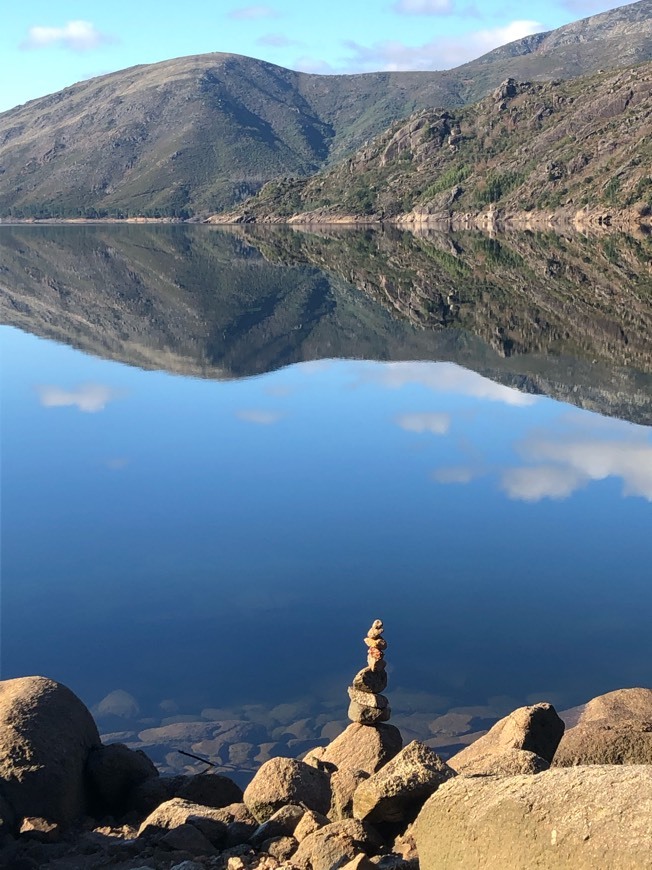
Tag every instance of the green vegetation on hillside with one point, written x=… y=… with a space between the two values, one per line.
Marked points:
x=526 y=147
x=196 y=135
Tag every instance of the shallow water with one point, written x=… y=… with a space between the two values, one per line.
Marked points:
x=219 y=543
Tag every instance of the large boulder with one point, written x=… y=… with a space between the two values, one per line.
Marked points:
x=282 y=824
x=362 y=747
x=617 y=707
x=508 y=762
x=7 y=820
x=536 y=729
x=113 y=771
x=615 y=728
x=344 y=783
x=570 y=819
x=398 y=790
x=46 y=734
x=213 y=823
x=282 y=781
x=209 y=789
x=335 y=845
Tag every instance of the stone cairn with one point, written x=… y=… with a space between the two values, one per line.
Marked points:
x=368 y=706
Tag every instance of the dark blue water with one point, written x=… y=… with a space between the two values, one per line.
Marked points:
x=223 y=543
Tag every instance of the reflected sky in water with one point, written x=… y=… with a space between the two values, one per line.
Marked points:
x=222 y=542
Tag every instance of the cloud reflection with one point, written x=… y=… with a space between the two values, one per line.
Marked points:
x=455 y=474
x=570 y=463
x=89 y=398
x=259 y=417
x=436 y=424
x=538 y=482
x=449 y=378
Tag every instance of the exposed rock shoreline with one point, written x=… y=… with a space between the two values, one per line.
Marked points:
x=528 y=792
x=490 y=220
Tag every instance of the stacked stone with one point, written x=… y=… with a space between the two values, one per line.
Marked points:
x=368 y=706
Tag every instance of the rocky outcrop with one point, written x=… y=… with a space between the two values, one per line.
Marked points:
x=536 y=729
x=46 y=735
x=615 y=728
x=570 y=819
x=398 y=790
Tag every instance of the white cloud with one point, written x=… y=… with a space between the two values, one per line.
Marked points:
x=423 y=7
x=446 y=377
x=436 y=424
x=74 y=35
x=89 y=398
x=259 y=417
x=441 y=52
x=253 y=13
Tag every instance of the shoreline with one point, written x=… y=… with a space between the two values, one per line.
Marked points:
x=370 y=796
x=491 y=220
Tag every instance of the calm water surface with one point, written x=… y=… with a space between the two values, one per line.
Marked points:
x=204 y=541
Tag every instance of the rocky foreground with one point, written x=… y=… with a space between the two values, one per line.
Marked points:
x=525 y=794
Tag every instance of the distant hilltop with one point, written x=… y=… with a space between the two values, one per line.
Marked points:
x=193 y=136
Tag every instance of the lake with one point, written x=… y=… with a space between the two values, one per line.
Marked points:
x=225 y=453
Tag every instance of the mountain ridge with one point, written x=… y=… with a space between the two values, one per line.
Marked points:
x=527 y=150
x=195 y=135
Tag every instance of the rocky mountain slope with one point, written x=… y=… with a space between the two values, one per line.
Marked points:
x=197 y=134
x=525 y=148
x=534 y=312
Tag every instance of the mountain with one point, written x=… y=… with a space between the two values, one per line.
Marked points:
x=197 y=134
x=535 y=312
x=526 y=148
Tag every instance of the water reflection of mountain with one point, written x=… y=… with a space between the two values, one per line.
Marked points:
x=568 y=317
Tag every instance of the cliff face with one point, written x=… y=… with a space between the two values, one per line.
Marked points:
x=526 y=148
x=569 y=317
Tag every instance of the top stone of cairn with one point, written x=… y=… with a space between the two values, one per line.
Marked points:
x=368 y=706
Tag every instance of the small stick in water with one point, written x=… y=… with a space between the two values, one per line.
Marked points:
x=196 y=757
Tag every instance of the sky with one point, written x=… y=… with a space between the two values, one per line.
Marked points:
x=46 y=46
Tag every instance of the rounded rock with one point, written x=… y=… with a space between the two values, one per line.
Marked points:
x=282 y=781
x=46 y=735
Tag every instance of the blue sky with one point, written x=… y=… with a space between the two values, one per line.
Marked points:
x=46 y=46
